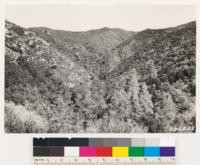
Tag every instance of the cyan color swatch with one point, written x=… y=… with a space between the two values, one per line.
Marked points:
x=151 y=151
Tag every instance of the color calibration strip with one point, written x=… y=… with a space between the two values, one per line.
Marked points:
x=103 y=147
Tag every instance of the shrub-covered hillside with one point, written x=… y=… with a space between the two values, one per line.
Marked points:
x=104 y=80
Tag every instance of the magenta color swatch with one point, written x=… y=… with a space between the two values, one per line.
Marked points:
x=87 y=151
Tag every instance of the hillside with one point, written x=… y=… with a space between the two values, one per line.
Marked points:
x=91 y=49
x=38 y=75
x=176 y=46
x=104 y=80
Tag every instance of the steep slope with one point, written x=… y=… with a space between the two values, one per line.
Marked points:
x=171 y=50
x=91 y=49
x=34 y=55
x=37 y=76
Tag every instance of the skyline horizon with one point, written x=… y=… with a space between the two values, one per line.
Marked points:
x=103 y=27
x=86 y=17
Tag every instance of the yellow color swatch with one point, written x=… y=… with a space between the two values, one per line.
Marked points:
x=120 y=151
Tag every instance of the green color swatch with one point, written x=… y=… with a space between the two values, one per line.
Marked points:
x=136 y=151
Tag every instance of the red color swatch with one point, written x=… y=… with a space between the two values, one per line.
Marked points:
x=104 y=151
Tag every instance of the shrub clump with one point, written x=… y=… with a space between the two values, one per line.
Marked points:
x=19 y=120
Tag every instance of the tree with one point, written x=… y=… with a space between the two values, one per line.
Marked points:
x=145 y=100
x=134 y=91
x=167 y=113
x=121 y=104
x=152 y=69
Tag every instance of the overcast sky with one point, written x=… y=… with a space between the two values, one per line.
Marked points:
x=82 y=18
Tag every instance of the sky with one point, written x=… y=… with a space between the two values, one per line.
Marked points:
x=87 y=17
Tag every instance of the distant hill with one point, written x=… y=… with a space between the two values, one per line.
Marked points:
x=91 y=49
x=103 y=80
